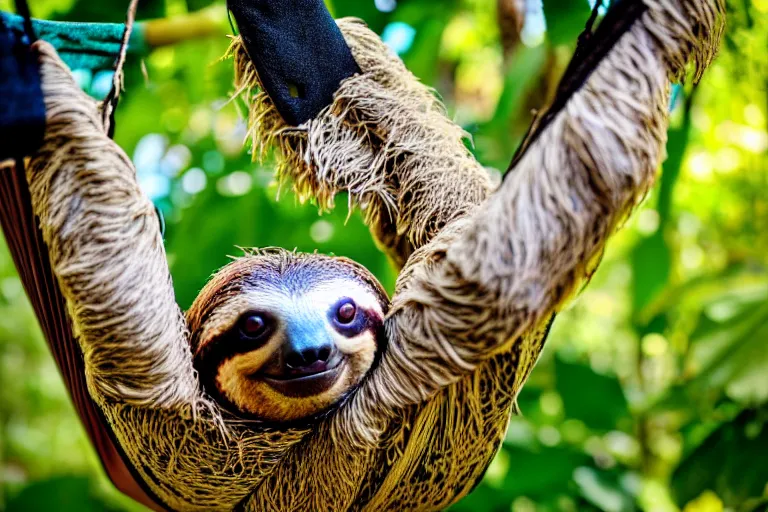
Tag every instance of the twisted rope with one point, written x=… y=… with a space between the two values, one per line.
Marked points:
x=110 y=102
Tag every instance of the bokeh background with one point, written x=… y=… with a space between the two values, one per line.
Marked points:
x=651 y=394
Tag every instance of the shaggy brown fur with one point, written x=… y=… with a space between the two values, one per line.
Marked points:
x=385 y=140
x=482 y=277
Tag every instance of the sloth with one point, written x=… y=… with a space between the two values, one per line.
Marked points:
x=293 y=382
x=282 y=336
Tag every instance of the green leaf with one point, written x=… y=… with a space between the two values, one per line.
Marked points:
x=566 y=19
x=363 y=9
x=733 y=283
x=651 y=263
x=677 y=144
x=496 y=140
x=538 y=474
x=422 y=58
x=733 y=358
x=730 y=462
x=602 y=489
x=597 y=400
x=59 y=493
x=727 y=356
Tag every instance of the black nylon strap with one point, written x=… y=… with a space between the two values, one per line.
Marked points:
x=298 y=51
x=22 y=111
x=22 y=8
x=592 y=48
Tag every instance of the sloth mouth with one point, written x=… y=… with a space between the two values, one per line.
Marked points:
x=304 y=382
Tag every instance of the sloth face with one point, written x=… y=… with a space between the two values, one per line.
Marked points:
x=283 y=336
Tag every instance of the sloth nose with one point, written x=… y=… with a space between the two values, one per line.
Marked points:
x=307 y=347
x=298 y=358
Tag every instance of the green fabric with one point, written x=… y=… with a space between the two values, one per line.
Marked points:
x=91 y=46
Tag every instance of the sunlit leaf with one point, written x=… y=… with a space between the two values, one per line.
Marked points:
x=566 y=19
x=59 y=493
x=728 y=463
x=597 y=400
x=734 y=358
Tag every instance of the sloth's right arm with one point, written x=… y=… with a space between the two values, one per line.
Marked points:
x=107 y=253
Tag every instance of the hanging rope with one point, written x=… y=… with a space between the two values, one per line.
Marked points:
x=110 y=102
x=23 y=9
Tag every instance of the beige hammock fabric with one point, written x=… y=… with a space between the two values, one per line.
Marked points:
x=483 y=272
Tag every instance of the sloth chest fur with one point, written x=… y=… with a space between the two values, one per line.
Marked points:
x=437 y=453
x=429 y=457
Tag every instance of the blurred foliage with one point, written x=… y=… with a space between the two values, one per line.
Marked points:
x=652 y=392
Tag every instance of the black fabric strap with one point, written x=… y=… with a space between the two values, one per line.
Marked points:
x=591 y=49
x=298 y=51
x=22 y=111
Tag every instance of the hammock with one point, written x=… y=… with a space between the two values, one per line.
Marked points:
x=92 y=46
x=95 y=46
x=22 y=129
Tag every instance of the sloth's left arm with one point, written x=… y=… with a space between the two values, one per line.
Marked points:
x=484 y=273
x=492 y=279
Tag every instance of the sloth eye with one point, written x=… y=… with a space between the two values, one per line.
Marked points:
x=346 y=312
x=253 y=325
